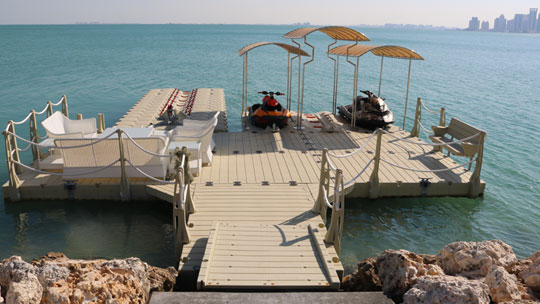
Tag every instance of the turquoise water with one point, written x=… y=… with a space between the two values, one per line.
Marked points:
x=488 y=79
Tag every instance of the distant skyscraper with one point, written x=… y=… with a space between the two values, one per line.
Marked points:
x=500 y=24
x=520 y=24
x=485 y=26
x=474 y=24
x=533 y=12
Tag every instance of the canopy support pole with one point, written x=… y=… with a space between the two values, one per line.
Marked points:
x=407 y=95
x=355 y=82
x=380 y=76
x=303 y=73
x=298 y=124
x=289 y=97
x=334 y=93
x=288 y=76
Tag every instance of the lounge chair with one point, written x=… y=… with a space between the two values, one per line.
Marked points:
x=198 y=131
x=59 y=126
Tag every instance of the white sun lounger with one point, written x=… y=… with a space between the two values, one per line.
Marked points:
x=198 y=131
x=59 y=126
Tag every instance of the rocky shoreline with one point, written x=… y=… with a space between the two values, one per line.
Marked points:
x=462 y=272
x=55 y=278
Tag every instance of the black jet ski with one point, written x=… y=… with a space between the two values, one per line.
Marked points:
x=371 y=112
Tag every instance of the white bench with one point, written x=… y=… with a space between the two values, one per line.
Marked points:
x=59 y=126
x=458 y=130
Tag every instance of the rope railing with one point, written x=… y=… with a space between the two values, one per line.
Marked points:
x=145 y=150
x=64 y=174
x=427 y=171
x=458 y=141
x=355 y=151
x=360 y=173
x=428 y=109
x=60 y=148
x=424 y=128
x=147 y=175
x=182 y=201
x=24 y=120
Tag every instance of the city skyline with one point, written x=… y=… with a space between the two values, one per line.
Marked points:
x=320 y=12
x=521 y=23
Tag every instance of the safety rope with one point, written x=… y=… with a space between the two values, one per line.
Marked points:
x=424 y=128
x=147 y=175
x=355 y=151
x=427 y=109
x=427 y=171
x=70 y=147
x=361 y=172
x=63 y=174
x=144 y=150
x=433 y=145
x=24 y=120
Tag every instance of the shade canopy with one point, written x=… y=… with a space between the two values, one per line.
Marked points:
x=392 y=51
x=289 y=48
x=334 y=32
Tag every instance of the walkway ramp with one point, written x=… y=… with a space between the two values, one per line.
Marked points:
x=266 y=256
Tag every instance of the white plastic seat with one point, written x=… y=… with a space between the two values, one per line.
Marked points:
x=198 y=131
x=59 y=126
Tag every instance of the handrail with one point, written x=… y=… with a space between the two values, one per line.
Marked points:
x=418 y=117
x=182 y=200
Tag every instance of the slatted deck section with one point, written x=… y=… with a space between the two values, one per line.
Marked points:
x=272 y=223
x=201 y=104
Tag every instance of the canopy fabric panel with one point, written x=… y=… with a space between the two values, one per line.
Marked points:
x=334 y=32
x=289 y=48
x=392 y=51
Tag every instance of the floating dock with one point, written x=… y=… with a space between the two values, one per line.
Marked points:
x=257 y=222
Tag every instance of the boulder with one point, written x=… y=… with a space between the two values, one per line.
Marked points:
x=531 y=274
x=55 y=278
x=474 y=259
x=502 y=285
x=447 y=289
x=26 y=290
x=365 y=278
x=399 y=270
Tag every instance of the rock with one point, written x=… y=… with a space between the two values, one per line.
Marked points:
x=502 y=285
x=55 y=278
x=531 y=274
x=365 y=278
x=26 y=290
x=447 y=289
x=399 y=270
x=474 y=259
x=162 y=279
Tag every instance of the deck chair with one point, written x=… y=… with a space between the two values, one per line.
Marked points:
x=198 y=131
x=59 y=126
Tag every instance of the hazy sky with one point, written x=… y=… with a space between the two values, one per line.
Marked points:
x=452 y=13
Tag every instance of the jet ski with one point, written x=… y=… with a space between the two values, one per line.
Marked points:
x=371 y=112
x=270 y=113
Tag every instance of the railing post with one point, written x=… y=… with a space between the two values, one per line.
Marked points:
x=474 y=188
x=101 y=123
x=79 y=116
x=374 y=178
x=442 y=119
x=49 y=108
x=34 y=137
x=14 y=181
x=417 y=118
x=335 y=230
x=190 y=208
x=124 y=180
x=15 y=155
x=65 y=106
x=320 y=206
x=181 y=233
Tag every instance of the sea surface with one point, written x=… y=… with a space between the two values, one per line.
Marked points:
x=491 y=80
